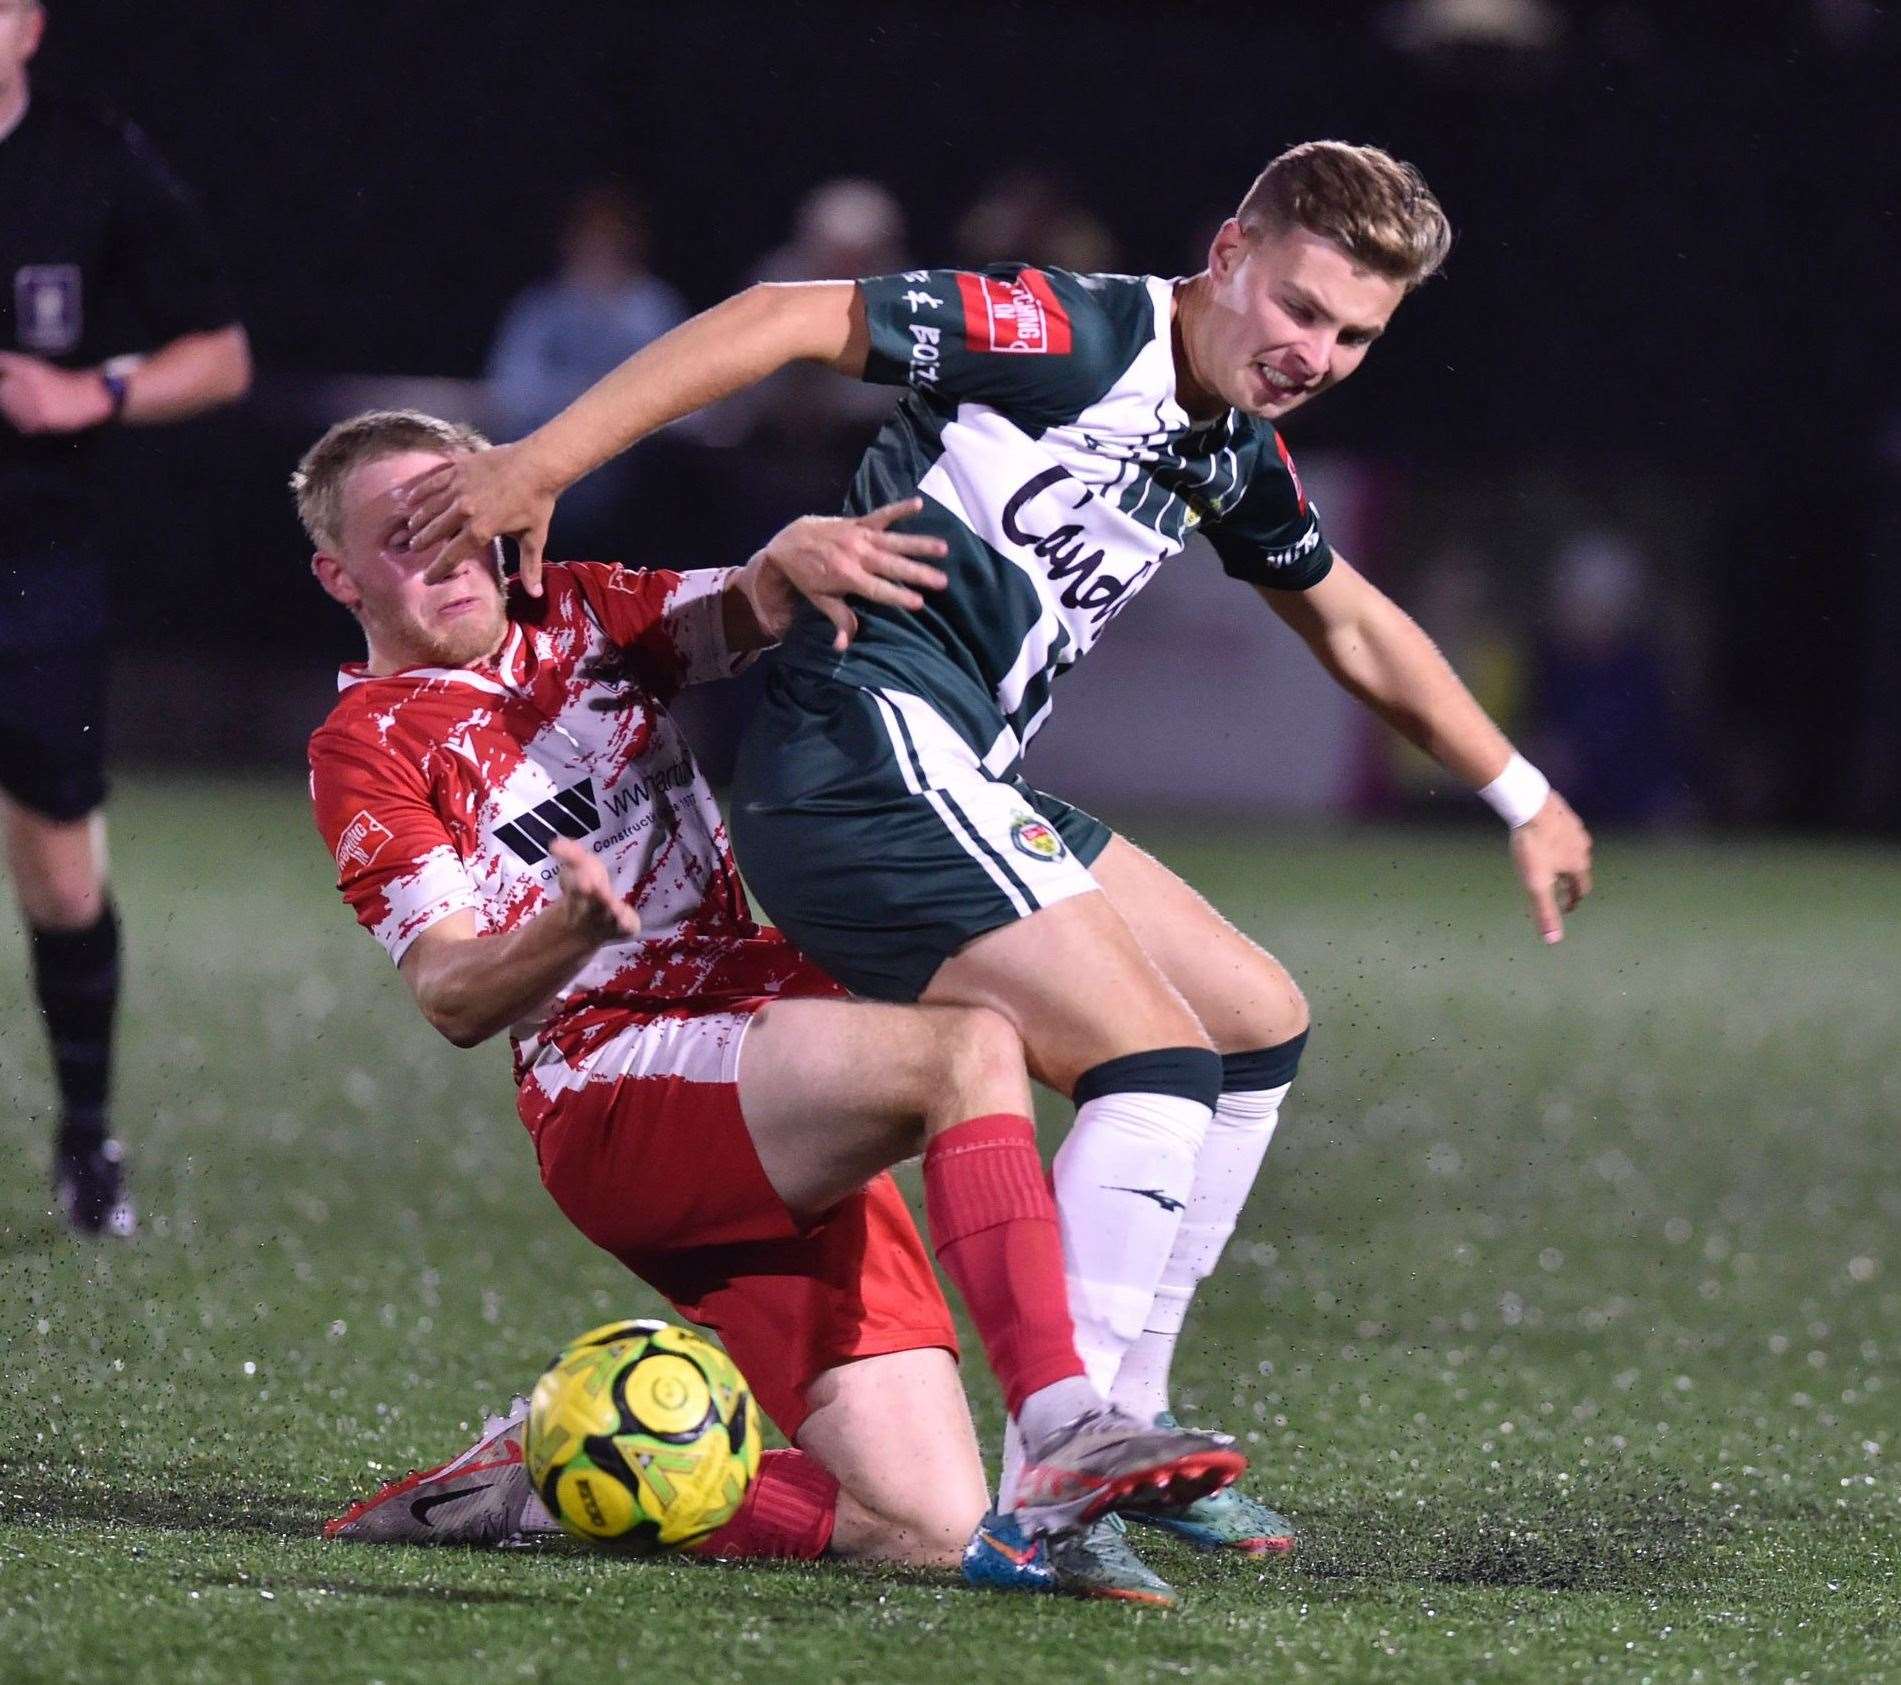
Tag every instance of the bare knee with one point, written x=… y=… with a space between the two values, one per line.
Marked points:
x=982 y=1049
x=978 y=1066
x=1299 y=1018
x=58 y=870
x=1267 y=1011
x=896 y=1433
x=67 y=903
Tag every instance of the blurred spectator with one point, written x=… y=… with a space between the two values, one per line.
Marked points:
x=799 y=434
x=563 y=334
x=844 y=229
x=1512 y=25
x=1606 y=726
x=804 y=429
x=1030 y=215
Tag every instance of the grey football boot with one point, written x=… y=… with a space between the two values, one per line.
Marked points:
x=1109 y=1460
x=1100 y=1561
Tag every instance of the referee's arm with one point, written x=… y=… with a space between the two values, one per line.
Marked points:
x=194 y=372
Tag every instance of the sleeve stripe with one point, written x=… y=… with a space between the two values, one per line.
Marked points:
x=976 y=311
x=437 y=885
x=1056 y=318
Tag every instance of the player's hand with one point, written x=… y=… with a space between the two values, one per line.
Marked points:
x=828 y=558
x=1552 y=851
x=474 y=498
x=589 y=902
x=41 y=397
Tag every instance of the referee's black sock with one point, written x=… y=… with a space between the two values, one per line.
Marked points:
x=76 y=975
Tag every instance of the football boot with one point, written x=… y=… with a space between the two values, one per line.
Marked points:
x=1100 y=1561
x=89 y=1184
x=1107 y=1459
x=1224 y=1520
x=1002 y=1557
x=481 y=1497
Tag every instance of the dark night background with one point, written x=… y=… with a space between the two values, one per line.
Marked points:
x=1673 y=284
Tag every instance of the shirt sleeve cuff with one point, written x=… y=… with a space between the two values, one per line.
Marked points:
x=696 y=622
x=439 y=888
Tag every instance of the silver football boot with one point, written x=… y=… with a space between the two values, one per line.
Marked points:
x=482 y=1497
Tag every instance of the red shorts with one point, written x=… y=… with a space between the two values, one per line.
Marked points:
x=646 y=1151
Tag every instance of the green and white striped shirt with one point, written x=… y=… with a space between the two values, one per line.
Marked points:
x=1042 y=428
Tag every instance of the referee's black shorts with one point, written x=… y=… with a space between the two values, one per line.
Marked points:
x=52 y=691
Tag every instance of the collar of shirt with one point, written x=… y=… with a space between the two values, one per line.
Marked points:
x=501 y=676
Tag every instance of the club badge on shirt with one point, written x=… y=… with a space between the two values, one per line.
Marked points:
x=47 y=308
x=1039 y=841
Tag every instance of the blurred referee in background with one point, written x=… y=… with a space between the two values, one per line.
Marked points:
x=101 y=255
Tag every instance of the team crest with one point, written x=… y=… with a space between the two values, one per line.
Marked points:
x=363 y=839
x=1036 y=839
x=47 y=312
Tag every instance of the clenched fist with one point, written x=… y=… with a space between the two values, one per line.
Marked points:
x=593 y=908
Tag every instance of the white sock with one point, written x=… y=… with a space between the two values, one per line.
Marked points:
x=1122 y=1182
x=1225 y=1169
x=1012 y=1470
x=1055 y=1406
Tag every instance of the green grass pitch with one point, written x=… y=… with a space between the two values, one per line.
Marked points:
x=1565 y=1323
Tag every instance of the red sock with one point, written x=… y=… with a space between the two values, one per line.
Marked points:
x=788 y=1513
x=994 y=1225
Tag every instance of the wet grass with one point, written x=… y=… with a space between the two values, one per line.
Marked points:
x=1565 y=1322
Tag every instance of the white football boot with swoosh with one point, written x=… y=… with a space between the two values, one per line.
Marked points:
x=481 y=1497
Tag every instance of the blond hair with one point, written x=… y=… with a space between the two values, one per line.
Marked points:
x=1376 y=209
x=317 y=481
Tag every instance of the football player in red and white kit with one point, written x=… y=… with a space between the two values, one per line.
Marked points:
x=518 y=821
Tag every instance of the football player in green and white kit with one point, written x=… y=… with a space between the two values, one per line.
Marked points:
x=1067 y=433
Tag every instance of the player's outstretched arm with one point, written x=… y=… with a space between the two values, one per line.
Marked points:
x=829 y=559
x=471 y=986
x=511 y=490
x=1378 y=652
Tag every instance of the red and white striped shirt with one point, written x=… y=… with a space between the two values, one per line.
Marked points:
x=438 y=790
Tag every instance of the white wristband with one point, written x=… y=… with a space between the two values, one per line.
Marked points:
x=1517 y=793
